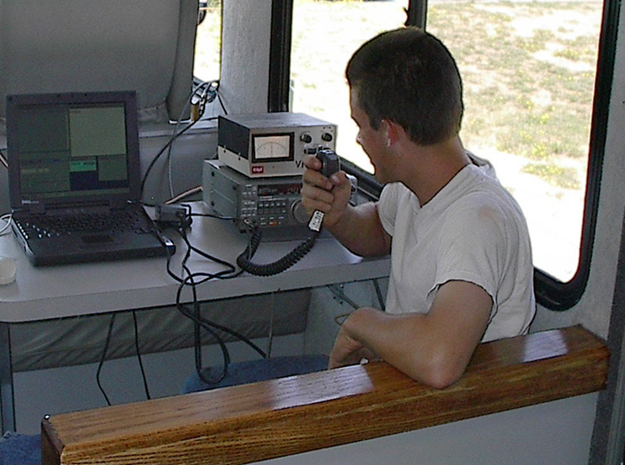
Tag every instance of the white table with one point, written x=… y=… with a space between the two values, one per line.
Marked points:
x=41 y=293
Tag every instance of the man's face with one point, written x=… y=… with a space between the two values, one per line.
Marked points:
x=375 y=143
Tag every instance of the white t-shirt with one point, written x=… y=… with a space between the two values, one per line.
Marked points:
x=471 y=230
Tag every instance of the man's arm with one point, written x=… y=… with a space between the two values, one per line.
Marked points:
x=360 y=230
x=357 y=228
x=433 y=348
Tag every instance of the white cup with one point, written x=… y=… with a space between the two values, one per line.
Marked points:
x=8 y=268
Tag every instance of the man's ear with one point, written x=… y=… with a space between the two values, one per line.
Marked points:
x=394 y=132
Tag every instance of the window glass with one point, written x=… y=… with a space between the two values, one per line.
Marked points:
x=208 y=41
x=529 y=71
x=325 y=35
x=529 y=74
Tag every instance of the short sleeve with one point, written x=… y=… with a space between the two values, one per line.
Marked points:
x=473 y=246
x=387 y=207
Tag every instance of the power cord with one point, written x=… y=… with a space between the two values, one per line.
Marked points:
x=139 y=358
x=8 y=219
x=138 y=353
x=204 y=92
x=103 y=357
x=179 y=219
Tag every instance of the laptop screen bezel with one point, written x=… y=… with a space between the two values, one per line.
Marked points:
x=36 y=203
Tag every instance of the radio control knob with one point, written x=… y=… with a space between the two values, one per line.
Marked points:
x=306 y=138
x=326 y=136
x=299 y=212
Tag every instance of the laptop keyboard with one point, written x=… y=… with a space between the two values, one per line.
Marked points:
x=112 y=222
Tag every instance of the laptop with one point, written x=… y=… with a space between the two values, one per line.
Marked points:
x=74 y=178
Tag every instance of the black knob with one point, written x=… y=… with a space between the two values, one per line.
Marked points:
x=327 y=136
x=306 y=138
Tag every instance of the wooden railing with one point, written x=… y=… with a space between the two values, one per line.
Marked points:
x=254 y=422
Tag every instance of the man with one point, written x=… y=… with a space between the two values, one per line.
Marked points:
x=461 y=268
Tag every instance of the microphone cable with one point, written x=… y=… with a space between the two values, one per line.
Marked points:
x=330 y=164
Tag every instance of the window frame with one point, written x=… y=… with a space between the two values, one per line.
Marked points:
x=280 y=55
x=550 y=292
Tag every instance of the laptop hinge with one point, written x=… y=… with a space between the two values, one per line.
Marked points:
x=31 y=209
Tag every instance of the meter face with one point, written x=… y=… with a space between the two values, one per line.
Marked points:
x=273 y=147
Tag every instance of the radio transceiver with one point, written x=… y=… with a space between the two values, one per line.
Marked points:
x=269 y=203
x=271 y=144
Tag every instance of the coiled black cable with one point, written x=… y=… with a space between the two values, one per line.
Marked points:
x=330 y=164
x=269 y=269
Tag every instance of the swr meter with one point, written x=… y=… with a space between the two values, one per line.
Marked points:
x=271 y=144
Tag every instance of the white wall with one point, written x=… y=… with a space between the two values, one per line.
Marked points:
x=245 y=55
x=552 y=433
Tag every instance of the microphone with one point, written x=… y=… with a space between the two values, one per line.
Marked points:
x=330 y=164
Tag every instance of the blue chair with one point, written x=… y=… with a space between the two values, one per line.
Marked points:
x=256 y=370
x=19 y=449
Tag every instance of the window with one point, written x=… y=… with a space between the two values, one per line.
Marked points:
x=530 y=71
x=325 y=34
x=208 y=41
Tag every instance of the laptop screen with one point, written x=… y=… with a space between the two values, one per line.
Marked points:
x=76 y=148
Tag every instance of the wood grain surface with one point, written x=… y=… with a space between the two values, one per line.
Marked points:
x=253 y=422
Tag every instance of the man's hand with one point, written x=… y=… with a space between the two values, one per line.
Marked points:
x=348 y=351
x=328 y=195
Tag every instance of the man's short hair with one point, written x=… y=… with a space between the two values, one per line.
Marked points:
x=409 y=77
